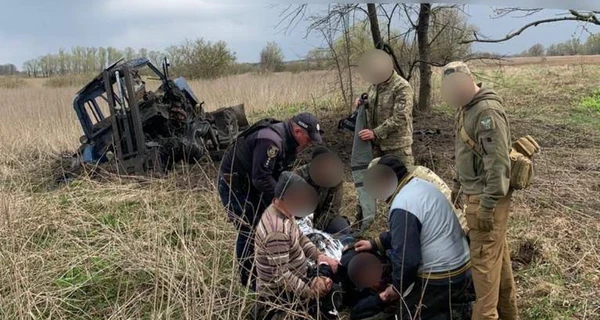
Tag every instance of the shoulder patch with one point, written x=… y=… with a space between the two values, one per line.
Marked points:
x=272 y=151
x=486 y=123
x=271 y=154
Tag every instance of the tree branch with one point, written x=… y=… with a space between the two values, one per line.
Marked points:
x=591 y=18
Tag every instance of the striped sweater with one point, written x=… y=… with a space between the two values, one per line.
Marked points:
x=281 y=252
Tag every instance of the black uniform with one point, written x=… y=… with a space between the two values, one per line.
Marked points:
x=247 y=179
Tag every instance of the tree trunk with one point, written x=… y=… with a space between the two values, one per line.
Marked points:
x=424 y=57
x=374 y=23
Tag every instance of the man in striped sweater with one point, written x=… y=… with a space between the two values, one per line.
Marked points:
x=282 y=251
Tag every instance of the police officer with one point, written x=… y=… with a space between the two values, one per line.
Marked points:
x=249 y=173
x=482 y=149
x=390 y=106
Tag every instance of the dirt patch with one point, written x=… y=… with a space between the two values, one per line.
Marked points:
x=527 y=252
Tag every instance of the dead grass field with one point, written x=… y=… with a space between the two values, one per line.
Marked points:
x=124 y=248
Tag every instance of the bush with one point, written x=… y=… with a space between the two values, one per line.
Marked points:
x=271 y=58
x=201 y=59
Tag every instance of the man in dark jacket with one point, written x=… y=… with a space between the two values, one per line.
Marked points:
x=427 y=247
x=249 y=172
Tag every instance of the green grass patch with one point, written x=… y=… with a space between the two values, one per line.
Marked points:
x=587 y=112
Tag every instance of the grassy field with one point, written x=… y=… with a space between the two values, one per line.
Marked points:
x=140 y=248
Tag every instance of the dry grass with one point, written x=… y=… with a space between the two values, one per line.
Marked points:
x=161 y=249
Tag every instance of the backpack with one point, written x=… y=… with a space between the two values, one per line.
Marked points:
x=521 y=157
x=263 y=123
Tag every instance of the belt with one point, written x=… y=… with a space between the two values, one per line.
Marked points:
x=446 y=274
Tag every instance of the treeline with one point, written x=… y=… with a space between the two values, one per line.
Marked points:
x=8 y=69
x=191 y=59
x=82 y=60
x=570 y=47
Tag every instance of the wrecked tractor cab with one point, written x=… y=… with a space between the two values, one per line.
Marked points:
x=148 y=131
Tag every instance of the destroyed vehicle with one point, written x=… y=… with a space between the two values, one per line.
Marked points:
x=145 y=131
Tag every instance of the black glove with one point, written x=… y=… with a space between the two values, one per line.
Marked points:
x=367 y=307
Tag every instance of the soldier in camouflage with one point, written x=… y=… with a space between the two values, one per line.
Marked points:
x=390 y=106
x=325 y=174
x=483 y=174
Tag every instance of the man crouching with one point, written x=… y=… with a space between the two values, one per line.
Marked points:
x=431 y=269
x=285 y=282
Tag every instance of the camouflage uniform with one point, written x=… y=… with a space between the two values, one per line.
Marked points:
x=329 y=200
x=485 y=178
x=390 y=116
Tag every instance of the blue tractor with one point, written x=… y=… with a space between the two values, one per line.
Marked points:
x=149 y=131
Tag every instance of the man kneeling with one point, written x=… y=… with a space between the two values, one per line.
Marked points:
x=325 y=174
x=427 y=247
x=281 y=253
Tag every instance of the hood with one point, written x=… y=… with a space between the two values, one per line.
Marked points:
x=484 y=94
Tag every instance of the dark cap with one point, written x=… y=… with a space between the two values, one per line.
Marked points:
x=394 y=163
x=319 y=151
x=310 y=123
x=286 y=180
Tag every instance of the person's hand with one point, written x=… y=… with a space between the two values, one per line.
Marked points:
x=356 y=102
x=363 y=245
x=366 y=135
x=485 y=219
x=321 y=286
x=390 y=294
x=333 y=264
x=456 y=199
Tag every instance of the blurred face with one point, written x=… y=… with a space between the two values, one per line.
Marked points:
x=458 y=89
x=380 y=182
x=375 y=66
x=301 y=136
x=326 y=170
x=371 y=270
x=299 y=200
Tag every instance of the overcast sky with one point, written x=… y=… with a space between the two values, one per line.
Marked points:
x=30 y=28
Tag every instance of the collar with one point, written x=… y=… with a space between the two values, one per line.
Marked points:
x=401 y=185
x=470 y=104
x=388 y=81
x=290 y=141
x=279 y=212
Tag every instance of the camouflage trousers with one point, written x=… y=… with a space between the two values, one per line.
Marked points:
x=404 y=154
x=491 y=266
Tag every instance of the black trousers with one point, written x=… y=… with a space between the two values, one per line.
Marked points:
x=435 y=300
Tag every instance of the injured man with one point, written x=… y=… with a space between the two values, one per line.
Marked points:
x=418 y=269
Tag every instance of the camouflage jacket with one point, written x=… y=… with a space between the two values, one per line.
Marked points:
x=486 y=174
x=389 y=113
x=329 y=200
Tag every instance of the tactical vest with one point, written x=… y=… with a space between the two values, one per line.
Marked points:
x=243 y=153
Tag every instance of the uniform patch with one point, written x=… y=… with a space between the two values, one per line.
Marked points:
x=272 y=152
x=487 y=123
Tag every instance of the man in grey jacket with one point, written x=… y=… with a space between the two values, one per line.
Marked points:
x=429 y=252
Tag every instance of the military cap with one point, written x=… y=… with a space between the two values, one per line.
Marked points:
x=456 y=67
